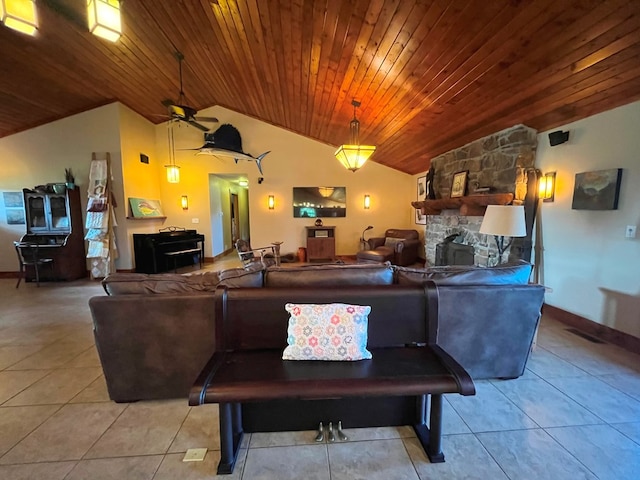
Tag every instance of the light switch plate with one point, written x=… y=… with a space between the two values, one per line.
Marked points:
x=630 y=232
x=195 y=220
x=195 y=455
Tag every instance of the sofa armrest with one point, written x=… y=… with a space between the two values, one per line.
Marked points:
x=406 y=245
x=375 y=242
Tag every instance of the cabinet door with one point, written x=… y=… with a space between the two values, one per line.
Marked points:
x=36 y=213
x=59 y=217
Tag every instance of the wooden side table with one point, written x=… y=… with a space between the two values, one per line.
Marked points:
x=321 y=243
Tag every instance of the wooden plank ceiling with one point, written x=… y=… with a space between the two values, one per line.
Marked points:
x=431 y=75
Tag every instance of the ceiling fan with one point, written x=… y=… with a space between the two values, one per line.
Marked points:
x=180 y=110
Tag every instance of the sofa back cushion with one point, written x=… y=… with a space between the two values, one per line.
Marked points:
x=163 y=283
x=329 y=275
x=513 y=273
x=404 y=234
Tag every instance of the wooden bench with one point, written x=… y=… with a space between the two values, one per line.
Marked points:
x=179 y=253
x=247 y=367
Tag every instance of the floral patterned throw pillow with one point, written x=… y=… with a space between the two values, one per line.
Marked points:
x=334 y=331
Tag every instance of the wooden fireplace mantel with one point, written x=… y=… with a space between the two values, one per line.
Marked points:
x=469 y=205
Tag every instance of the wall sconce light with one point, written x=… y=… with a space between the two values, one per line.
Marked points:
x=104 y=19
x=547 y=187
x=271 y=202
x=184 y=202
x=20 y=15
x=367 y=202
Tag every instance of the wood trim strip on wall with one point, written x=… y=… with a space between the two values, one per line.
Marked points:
x=608 y=334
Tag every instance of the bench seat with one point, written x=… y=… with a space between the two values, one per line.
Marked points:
x=247 y=367
x=259 y=375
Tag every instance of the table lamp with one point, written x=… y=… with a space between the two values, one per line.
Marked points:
x=504 y=221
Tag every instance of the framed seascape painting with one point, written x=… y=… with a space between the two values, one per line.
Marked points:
x=597 y=190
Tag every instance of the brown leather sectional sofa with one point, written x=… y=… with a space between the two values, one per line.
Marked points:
x=154 y=333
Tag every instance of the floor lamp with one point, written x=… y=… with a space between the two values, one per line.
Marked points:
x=504 y=221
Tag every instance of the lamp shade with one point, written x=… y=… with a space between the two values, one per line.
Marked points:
x=504 y=220
x=173 y=173
x=103 y=17
x=20 y=15
x=352 y=157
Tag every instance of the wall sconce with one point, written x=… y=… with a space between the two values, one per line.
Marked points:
x=184 y=202
x=271 y=202
x=103 y=17
x=547 y=187
x=367 y=202
x=20 y=15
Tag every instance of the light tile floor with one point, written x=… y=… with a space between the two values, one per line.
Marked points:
x=575 y=414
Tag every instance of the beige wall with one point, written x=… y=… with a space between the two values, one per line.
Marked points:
x=40 y=155
x=294 y=161
x=592 y=269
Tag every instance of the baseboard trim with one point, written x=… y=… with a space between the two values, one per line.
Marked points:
x=608 y=334
x=9 y=274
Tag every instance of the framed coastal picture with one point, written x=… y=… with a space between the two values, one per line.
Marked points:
x=598 y=190
x=145 y=208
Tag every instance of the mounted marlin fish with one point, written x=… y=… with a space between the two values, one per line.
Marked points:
x=226 y=142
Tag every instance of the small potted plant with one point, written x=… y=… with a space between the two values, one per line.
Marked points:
x=69 y=179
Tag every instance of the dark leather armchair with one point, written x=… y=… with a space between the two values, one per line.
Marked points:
x=403 y=244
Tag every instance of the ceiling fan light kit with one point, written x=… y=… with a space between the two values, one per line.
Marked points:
x=19 y=15
x=180 y=110
x=103 y=17
x=353 y=156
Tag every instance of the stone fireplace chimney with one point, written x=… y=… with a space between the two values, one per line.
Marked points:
x=499 y=163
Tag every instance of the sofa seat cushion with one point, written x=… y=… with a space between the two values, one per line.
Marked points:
x=329 y=275
x=512 y=273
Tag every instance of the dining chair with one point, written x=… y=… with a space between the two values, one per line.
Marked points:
x=29 y=254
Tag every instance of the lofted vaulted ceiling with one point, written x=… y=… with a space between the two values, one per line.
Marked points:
x=431 y=75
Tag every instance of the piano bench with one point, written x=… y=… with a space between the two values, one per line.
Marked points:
x=178 y=253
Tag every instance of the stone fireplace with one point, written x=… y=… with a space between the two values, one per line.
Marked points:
x=501 y=163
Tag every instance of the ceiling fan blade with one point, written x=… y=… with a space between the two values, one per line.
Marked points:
x=207 y=119
x=197 y=125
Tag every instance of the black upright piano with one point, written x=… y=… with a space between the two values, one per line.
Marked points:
x=150 y=250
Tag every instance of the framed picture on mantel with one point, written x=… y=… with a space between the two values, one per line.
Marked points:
x=459 y=184
x=421 y=195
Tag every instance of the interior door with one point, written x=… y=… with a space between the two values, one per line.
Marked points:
x=235 y=218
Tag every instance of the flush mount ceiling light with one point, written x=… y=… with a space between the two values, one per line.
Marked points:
x=353 y=156
x=19 y=15
x=104 y=19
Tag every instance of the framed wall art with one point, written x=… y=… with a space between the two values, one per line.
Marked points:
x=459 y=184
x=597 y=190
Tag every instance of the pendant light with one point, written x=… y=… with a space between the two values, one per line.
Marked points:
x=173 y=170
x=353 y=156
x=20 y=15
x=104 y=19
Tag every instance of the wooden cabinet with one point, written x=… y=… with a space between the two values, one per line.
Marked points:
x=321 y=243
x=54 y=221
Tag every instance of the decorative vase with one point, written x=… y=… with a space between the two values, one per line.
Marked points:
x=302 y=255
x=318 y=222
x=71 y=186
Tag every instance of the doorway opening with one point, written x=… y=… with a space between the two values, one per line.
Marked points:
x=229 y=207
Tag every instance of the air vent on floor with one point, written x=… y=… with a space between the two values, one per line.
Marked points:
x=586 y=336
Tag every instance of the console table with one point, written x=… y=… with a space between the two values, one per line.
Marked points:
x=321 y=243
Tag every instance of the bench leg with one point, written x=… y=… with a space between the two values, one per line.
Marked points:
x=230 y=436
x=430 y=437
